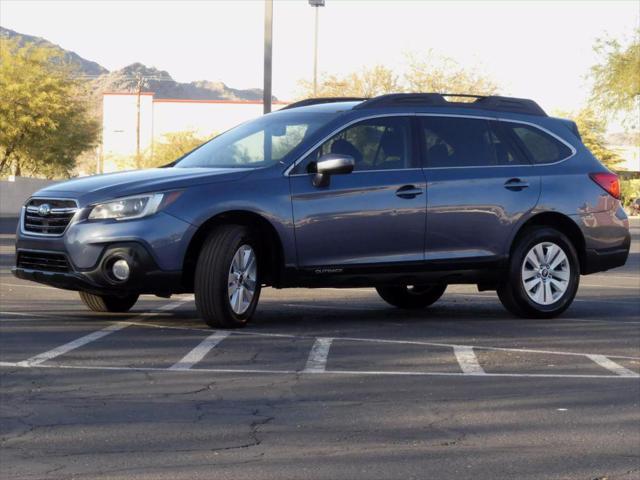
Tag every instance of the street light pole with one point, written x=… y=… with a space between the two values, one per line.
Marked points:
x=268 y=47
x=140 y=83
x=316 y=4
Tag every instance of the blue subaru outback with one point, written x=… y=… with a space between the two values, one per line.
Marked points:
x=406 y=193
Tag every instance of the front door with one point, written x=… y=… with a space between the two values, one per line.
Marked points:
x=372 y=216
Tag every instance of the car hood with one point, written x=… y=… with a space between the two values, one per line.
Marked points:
x=122 y=184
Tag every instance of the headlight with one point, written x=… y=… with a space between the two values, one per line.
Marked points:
x=132 y=207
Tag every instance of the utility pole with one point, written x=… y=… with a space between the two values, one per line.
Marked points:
x=140 y=83
x=268 y=47
x=316 y=4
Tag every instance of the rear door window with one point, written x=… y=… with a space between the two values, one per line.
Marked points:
x=506 y=149
x=457 y=142
x=541 y=147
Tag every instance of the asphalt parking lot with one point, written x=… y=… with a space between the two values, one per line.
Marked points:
x=325 y=384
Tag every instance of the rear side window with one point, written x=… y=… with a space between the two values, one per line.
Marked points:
x=464 y=142
x=506 y=150
x=540 y=146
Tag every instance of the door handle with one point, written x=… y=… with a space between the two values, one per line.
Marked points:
x=516 y=184
x=408 y=191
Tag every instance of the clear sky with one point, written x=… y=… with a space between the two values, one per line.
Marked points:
x=541 y=50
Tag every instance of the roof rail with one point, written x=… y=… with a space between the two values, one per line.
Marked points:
x=491 y=102
x=317 y=101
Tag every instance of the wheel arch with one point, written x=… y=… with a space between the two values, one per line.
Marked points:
x=560 y=222
x=269 y=240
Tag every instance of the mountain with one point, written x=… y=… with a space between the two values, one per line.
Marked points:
x=154 y=80
x=87 y=67
x=163 y=86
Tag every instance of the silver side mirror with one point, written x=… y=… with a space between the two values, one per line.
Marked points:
x=332 y=164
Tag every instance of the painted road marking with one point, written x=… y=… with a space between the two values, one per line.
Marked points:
x=317 y=361
x=378 y=340
x=624 y=287
x=612 y=366
x=67 y=347
x=468 y=360
x=325 y=372
x=26 y=285
x=92 y=337
x=199 y=352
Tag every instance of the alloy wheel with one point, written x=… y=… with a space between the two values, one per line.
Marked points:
x=546 y=273
x=242 y=279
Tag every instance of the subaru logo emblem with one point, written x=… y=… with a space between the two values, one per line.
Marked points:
x=44 y=210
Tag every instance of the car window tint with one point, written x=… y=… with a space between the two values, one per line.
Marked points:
x=458 y=142
x=505 y=150
x=375 y=144
x=541 y=147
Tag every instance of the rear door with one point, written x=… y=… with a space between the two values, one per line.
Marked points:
x=372 y=216
x=479 y=184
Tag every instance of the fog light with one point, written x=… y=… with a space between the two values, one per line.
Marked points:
x=120 y=270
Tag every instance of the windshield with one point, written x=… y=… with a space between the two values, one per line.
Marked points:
x=258 y=143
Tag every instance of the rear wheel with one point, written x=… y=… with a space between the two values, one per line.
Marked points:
x=105 y=303
x=543 y=276
x=227 y=286
x=414 y=296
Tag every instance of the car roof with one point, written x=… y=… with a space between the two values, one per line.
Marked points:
x=418 y=101
x=329 y=107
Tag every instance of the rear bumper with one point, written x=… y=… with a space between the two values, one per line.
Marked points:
x=605 y=259
x=607 y=239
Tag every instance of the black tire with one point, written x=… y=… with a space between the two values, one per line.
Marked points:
x=417 y=296
x=104 y=303
x=211 y=282
x=512 y=292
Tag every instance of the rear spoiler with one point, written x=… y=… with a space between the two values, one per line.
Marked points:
x=572 y=126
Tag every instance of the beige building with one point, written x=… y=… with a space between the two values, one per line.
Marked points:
x=161 y=116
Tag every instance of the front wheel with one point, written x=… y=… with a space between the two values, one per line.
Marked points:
x=104 y=303
x=415 y=296
x=227 y=283
x=543 y=275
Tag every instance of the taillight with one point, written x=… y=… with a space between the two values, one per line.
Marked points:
x=608 y=181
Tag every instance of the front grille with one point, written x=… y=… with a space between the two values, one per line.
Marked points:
x=48 y=216
x=45 y=261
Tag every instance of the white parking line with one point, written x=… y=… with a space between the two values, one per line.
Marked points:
x=29 y=286
x=612 y=366
x=199 y=352
x=380 y=340
x=317 y=361
x=493 y=296
x=325 y=372
x=79 y=342
x=597 y=285
x=468 y=360
x=67 y=347
x=329 y=307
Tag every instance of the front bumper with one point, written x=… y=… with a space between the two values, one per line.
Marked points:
x=155 y=248
x=145 y=277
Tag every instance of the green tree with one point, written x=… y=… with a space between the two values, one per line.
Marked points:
x=616 y=79
x=44 y=119
x=424 y=73
x=430 y=72
x=593 y=129
x=367 y=82
x=172 y=147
